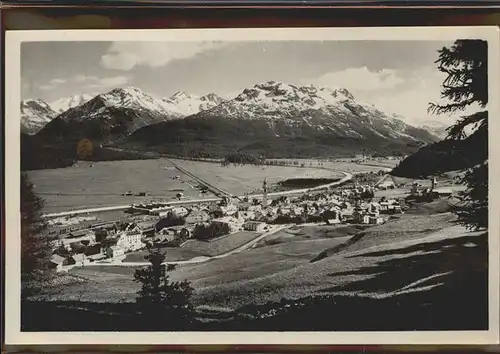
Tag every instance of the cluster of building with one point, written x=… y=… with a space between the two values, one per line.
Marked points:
x=104 y=241
x=144 y=226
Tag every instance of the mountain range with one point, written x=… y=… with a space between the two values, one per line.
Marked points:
x=36 y=113
x=277 y=119
x=304 y=120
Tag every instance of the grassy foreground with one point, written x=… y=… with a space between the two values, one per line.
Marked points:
x=422 y=272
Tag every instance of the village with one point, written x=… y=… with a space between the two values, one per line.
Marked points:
x=160 y=225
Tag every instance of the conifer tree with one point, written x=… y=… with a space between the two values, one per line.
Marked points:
x=162 y=302
x=36 y=249
x=466 y=88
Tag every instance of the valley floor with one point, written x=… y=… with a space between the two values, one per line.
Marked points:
x=91 y=185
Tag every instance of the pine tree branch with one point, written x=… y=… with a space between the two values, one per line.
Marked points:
x=452 y=107
x=479 y=119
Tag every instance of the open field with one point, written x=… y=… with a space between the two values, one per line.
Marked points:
x=244 y=179
x=354 y=167
x=171 y=254
x=284 y=270
x=83 y=186
x=195 y=248
x=347 y=165
x=300 y=233
x=220 y=245
x=103 y=184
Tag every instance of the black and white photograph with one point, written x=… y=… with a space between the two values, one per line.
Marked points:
x=199 y=186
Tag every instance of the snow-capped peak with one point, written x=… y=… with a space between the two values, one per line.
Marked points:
x=188 y=104
x=65 y=103
x=181 y=95
x=36 y=103
x=274 y=93
x=35 y=114
x=212 y=97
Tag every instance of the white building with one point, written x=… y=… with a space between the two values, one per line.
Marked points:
x=180 y=211
x=255 y=226
x=130 y=239
x=444 y=192
x=255 y=208
x=161 y=211
x=228 y=209
x=372 y=219
x=235 y=224
x=115 y=251
x=246 y=215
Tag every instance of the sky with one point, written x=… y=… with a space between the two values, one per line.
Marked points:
x=398 y=77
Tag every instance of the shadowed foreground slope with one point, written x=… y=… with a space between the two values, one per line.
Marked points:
x=438 y=281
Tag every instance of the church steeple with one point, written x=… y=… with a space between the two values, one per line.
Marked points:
x=264 y=193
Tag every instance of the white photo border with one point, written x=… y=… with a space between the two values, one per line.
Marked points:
x=13 y=334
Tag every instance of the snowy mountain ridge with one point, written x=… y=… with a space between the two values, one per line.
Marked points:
x=324 y=109
x=63 y=104
x=35 y=114
x=187 y=104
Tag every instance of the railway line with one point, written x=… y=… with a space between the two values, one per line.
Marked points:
x=213 y=188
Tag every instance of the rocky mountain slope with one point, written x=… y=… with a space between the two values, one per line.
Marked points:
x=434 y=126
x=437 y=128
x=35 y=114
x=272 y=116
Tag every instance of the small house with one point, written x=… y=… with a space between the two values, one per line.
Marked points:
x=234 y=224
x=93 y=249
x=57 y=262
x=147 y=228
x=228 y=209
x=114 y=251
x=195 y=217
x=331 y=216
x=375 y=220
x=284 y=211
x=77 y=247
x=180 y=211
x=444 y=192
x=76 y=259
x=358 y=215
x=165 y=235
x=386 y=182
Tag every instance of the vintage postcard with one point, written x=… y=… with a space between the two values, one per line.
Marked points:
x=252 y=186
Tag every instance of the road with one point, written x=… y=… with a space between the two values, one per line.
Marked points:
x=124 y=207
x=202 y=259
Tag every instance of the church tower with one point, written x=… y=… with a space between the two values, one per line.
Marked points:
x=264 y=193
x=433 y=183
